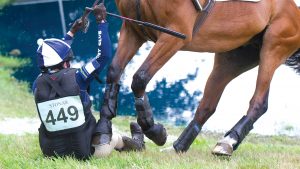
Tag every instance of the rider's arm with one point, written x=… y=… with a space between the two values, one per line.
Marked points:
x=77 y=25
x=68 y=38
x=97 y=64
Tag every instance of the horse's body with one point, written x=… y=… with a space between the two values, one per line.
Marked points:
x=242 y=34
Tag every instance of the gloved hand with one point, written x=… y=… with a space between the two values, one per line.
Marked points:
x=100 y=13
x=77 y=25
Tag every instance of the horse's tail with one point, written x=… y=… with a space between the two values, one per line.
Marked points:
x=294 y=61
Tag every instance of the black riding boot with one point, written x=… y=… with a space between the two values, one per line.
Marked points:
x=136 y=143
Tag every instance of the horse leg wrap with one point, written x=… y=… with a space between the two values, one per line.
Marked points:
x=108 y=111
x=182 y=144
x=155 y=132
x=103 y=132
x=240 y=130
x=110 y=102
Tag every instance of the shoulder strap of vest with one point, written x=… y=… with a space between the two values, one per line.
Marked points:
x=55 y=85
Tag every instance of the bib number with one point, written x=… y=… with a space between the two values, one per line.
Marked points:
x=61 y=114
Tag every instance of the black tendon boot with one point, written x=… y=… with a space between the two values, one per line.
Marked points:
x=136 y=143
x=155 y=132
x=103 y=132
x=240 y=130
x=110 y=102
x=237 y=134
x=182 y=144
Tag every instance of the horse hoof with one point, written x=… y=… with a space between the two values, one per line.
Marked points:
x=223 y=149
x=157 y=133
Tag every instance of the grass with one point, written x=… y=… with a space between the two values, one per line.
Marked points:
x=15 y=99
x=256 y=152
x=23 y=152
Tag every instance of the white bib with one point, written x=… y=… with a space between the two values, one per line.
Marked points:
x=61 y=114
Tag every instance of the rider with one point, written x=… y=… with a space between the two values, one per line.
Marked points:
x=63 y=103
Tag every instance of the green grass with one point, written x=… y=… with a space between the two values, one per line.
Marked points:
x=23 y=152
x=15 y=99
x=256 y=152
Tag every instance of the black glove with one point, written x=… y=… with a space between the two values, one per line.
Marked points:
x=100 y=13
x=77 y=25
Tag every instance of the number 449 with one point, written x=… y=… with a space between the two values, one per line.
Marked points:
x=72 y=114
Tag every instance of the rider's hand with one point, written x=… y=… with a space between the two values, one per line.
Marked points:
x=77 y=25
x=100 y=13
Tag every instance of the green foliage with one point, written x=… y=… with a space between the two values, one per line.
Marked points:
x=5 y=2
x=15 y=99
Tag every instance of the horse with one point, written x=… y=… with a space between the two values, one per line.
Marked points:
x=242 y=35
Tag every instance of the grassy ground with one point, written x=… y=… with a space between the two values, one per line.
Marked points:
x=255 y=153
x=23 y=152
x=15 y=99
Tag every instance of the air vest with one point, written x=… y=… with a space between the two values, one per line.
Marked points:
x=59 y=103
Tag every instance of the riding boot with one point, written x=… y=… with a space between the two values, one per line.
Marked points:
x=182 y=144
x=240 y=130
x=155 y=132
x=136 y=143
x=108 y=111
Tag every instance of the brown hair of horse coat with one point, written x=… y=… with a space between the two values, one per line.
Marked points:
x=242 y=34
x=229 y=26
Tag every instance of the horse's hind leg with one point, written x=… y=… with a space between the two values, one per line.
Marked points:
x=227 y=66
x=280 y=42
x=128 y=45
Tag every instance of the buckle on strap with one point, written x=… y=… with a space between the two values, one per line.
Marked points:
x=206 y=6
x=197 y=5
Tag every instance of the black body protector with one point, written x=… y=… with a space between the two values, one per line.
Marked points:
x=59 y=103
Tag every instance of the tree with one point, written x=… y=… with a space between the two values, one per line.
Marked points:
x=3 y=3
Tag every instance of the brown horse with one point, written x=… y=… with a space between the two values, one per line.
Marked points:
x=241 y=34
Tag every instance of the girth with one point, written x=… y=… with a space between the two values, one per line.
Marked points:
x=138 y=17
x=203 y=13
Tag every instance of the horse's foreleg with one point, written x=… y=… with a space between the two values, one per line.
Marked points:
x=162 y=51
x=227 y=66
x=274 y=52
x=128 y=45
